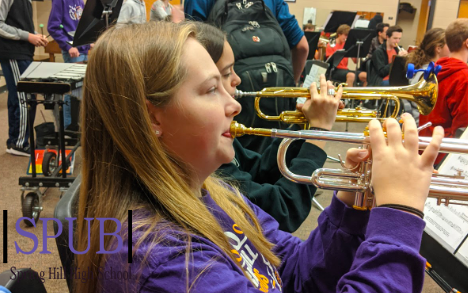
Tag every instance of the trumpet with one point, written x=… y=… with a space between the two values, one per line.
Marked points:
x=446 y=189
x=423 y=93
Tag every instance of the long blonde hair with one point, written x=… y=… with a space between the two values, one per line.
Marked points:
x=125 y=166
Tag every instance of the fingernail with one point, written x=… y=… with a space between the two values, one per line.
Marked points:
x=362 y=154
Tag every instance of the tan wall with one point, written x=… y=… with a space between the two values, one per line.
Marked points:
x=409 y=24
x=445 y=12
x=41 y=11
x=388 y=7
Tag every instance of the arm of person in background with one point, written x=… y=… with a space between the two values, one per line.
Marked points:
x=458 y=105
x=57 y=13
x=378 y=60
x=295 y=36
x=299 y=56
x=13 y=33
x=198 y=9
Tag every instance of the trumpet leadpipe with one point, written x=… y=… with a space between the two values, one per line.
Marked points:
x=448 y=145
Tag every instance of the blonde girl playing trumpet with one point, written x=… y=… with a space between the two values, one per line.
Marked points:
x=156 y=126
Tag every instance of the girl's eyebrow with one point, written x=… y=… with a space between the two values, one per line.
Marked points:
x=228 y=66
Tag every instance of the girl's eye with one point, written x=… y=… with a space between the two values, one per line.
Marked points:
x=212 y=90
x=227 y=75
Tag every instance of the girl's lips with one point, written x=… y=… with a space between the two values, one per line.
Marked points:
x=227 y=134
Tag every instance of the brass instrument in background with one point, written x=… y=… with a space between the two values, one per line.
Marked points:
x=445 y=189
x=323 y=49
x=423 y=93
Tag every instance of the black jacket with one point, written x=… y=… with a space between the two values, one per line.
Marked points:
x=13 y=42
x=380 y=66
x=260 y=180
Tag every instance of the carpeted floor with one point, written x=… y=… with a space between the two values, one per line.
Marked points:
x=12 y=167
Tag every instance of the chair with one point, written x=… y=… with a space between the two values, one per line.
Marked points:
x=22 y=281
x=66 y=208
x=52 y=48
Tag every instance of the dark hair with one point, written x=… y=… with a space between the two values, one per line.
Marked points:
x=212 y=39
x=392 y=29
x=380 y=27
x=456 y=33
x=433 y=38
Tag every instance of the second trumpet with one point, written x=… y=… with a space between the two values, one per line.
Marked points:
x=423 y=94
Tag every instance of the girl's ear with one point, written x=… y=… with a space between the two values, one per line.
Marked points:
x=153 y=112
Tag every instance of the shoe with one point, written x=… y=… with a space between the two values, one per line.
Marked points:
x=16 y=151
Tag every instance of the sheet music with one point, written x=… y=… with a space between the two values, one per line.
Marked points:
x=449 y=224
x=313 y=76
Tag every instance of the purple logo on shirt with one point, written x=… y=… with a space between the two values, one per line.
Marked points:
x=70 y=235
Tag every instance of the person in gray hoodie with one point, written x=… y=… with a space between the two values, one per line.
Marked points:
x=17 y=42
x=132 y=11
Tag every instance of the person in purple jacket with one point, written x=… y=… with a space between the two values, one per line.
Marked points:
x=156 y=122
x=63 y=21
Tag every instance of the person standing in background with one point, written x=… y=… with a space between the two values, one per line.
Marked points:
x=63 y=19
x=200 y=9
x=17 y=42
x=132 y=11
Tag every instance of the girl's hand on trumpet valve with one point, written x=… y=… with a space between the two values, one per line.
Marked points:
x=354 y=157
x=320 y=109
x=399 y=174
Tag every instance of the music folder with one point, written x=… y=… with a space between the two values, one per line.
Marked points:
x=312 y=39
x=93 y=22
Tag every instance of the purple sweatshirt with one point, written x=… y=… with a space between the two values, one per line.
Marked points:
x=344 y=254
x=66 y=13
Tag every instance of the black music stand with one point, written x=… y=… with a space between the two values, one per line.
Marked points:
x=312 y=39
x=357 y=46
x=338 y=18
x=451 y=272
x=97 y=16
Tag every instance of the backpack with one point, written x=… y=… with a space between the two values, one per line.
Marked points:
x=262 y=59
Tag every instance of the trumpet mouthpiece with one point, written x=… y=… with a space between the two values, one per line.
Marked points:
x=238 y=130
x=240 y=94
